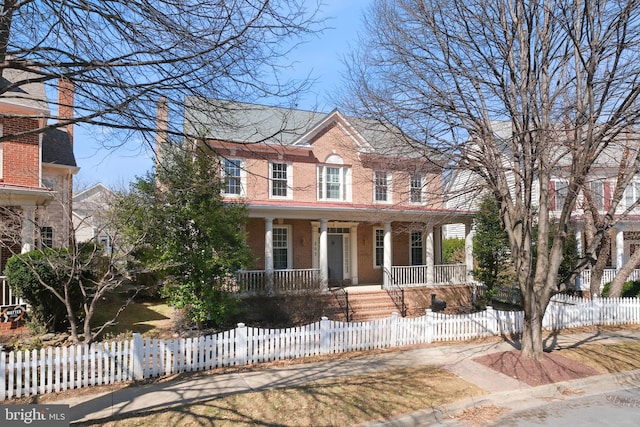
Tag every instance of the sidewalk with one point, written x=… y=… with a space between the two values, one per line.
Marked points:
x=504 y=391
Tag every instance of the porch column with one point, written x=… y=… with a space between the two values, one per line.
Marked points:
x=387 y=251
x=268 y=252
x=468 y=250
x=437 y=245
x=354 y=254
x=28 y=228
x=324 y=260
x=579 y=249
x=619 y=248
x=429 y=255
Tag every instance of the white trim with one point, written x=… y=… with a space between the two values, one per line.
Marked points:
x=423 y=190
x=344 y=181
x=289 y=245
x=388 y=176
x=423 y=257
x=375 y=229
x=243 y=178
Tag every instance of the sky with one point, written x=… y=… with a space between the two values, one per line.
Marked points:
x=321 y=56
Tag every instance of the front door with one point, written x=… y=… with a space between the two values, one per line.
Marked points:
x=334 y=258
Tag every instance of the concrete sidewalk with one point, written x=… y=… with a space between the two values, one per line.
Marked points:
x=456 y=358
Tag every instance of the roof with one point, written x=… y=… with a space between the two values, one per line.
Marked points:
x=57 y=148
x=29 y=94
x=251 y=123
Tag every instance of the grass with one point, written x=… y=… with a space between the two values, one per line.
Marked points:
x=150 y=318
x=607 y=358
x=335 y=402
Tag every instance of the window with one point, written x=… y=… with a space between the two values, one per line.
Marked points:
x=280 y=238
x=334 y=183
x=280 y=180
x=105 y=242
x=382 y=181
x=632 y=193
x=46 y=237
x=233 y=177
x=415 y=188
x=597 y=192
x=558 y=194
x=378 y=247
x=417 y=252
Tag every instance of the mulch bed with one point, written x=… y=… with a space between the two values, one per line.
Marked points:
x=551 y=369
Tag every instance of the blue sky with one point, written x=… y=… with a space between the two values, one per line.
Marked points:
x=321 y=57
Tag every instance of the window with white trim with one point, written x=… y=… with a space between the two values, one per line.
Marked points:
x=632 y=194
x=559 y=194
x=334 y=183
x=381 y=186
x=378 y=247
x=597 y=192
x=233 y=177
x=281 y=180
x=415 y=188
x=281 y=247
x=417 y=248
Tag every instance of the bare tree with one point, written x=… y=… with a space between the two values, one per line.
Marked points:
x=83 y=274
x=122 y=56
x=511 y=94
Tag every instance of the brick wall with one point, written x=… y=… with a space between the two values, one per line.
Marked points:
x=21 y=155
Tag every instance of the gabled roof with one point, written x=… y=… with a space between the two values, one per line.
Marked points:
x=251 y=123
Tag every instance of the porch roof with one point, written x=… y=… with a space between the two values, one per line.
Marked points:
x=361 y=213
x=16 y=195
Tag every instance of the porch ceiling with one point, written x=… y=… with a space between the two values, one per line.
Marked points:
x=24 y=196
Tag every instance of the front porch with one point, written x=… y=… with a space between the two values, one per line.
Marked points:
x=272 y=282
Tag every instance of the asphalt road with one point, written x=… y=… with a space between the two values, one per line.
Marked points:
x=620 y=409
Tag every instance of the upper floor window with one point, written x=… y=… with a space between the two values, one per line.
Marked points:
x=558 y=191
x=281 y=179
x=597 y=192
x=415 y=188
x=233 y=177
x=381 y=186
x=334 y=183
x=632 y=194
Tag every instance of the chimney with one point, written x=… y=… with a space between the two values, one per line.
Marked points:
x=65 y=104
x=162 y=124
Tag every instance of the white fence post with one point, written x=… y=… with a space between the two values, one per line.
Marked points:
x=137 y=357
x=492 y=321
x=595 y=310
x=241 y=344
x=3 y=380
x=325 y=335
x=429 y=325
x=394 y=329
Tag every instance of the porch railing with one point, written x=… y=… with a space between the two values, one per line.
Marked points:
x=278 y=281
x=396 y=293
x=607 y=276
x=7 y=298
x=416 y=275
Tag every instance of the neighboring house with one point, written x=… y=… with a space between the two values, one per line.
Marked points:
x=89 y=222
x=331 y=199
x=625 y=235
x=36 y=169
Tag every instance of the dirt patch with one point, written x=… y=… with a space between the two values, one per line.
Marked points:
x=551 y=369
x=481 y=415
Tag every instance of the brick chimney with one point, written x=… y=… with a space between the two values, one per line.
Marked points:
x=65 y=104
x=162 y=125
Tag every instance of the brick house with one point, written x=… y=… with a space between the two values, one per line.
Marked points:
x=332 y=200
x=36 y=167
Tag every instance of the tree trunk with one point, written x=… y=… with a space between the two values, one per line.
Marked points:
x=598 y=269
x=615 y=289
x=532 y=328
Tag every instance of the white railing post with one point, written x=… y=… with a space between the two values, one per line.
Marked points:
x=325 y=335
x=137 y=357
x=3 y=380
x=241 y=344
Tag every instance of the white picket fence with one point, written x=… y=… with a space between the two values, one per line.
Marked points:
x=25 y=373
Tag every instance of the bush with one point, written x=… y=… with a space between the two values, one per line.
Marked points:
x=629 y=289
x=24 y=274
